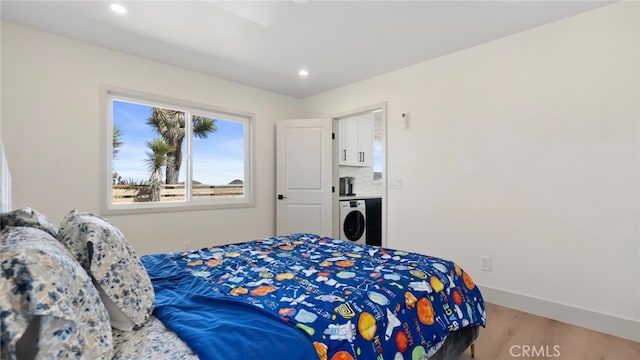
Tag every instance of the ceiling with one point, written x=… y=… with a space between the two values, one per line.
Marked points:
x=265 y=43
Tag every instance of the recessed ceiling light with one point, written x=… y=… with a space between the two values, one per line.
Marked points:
x=119 y=9
x=303 y=73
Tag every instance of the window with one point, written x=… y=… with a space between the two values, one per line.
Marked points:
x=378 y=145
x=167 y=154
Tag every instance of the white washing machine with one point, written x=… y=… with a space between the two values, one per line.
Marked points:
x=353 y=225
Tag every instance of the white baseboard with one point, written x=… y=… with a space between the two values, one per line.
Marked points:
x=597 y=321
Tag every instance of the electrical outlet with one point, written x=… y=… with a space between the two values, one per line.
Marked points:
x=485 y=263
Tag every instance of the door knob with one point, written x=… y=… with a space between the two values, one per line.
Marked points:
x=280 y=197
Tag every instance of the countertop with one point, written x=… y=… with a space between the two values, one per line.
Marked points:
x=359 y=197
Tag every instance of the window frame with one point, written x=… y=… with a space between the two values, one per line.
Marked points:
x=110 y=93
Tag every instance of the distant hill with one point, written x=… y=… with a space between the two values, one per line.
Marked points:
x=236 y=182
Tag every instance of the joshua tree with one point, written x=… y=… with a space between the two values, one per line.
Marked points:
x=170 y=124
x=156 y=159
x=117 y=142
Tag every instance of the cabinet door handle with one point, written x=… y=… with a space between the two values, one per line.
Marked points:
x=344 y=154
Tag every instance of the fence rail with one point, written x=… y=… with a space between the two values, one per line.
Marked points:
x=175 y=192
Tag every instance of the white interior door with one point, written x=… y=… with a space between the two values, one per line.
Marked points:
x=304 y=163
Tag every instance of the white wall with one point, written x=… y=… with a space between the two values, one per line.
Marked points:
x=524 y=149
x=0 y=90
x=51 y=126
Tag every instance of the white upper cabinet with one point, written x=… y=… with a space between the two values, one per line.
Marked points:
x=355 y=141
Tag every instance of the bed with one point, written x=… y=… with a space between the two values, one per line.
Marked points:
x=80 y=291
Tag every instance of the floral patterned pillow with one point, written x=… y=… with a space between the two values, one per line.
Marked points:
x=29 y=218
x=43 y=284
x=116 y=269
x=153 y=341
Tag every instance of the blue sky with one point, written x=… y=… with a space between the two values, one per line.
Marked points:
x=377 y=156
x=217 y=160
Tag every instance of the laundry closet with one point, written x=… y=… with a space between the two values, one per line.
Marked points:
x=360 y=166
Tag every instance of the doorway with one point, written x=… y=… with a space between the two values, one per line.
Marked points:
x=309 y=167
x=360 y=162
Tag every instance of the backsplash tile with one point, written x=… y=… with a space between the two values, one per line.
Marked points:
x=363 y=177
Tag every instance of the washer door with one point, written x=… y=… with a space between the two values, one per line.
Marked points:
x=354 y=225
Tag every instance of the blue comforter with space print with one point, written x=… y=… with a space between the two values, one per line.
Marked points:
x=292 y=297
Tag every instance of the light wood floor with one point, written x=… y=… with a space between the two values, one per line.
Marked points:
x=508 y=331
